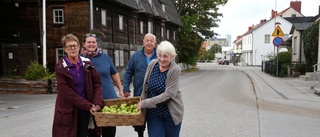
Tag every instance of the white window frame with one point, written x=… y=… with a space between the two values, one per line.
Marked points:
x=266 y=38
x=141 y=27
x=59 y=54
x=163 y=6
x=119 y=58
x=103 y=17
x=120 y=22
x=295 y=42
x=162 y=31
x=58 y=16
x=150 y=26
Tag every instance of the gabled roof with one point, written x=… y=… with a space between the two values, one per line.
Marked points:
x=255 y=27
x=129 y=3
x=300 y=23
x=155 y=9
x=299 y=19
x=301 y=26
x=144 y=7
x=171 y=12
x=283 y=11
x=158 y=9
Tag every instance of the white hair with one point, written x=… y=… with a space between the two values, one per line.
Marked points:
x=166 y=47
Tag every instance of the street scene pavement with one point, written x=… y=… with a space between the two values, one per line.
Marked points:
x=279 y=100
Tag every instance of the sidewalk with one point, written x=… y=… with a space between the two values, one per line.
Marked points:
x=284 y=87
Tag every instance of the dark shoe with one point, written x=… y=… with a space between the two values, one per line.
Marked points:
x=140 y=134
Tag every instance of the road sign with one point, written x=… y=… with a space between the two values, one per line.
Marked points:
x=277 y=41
x=277 y=32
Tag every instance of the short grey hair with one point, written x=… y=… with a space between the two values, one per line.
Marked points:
x=151 y=35
x=166 y=47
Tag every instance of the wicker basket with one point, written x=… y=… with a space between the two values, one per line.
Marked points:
x=107 y=119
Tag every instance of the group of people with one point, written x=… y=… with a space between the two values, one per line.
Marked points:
x=86 y=76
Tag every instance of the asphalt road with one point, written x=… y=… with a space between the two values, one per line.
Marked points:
x=220 y=101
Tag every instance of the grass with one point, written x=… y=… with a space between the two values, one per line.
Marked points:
x=194 y=69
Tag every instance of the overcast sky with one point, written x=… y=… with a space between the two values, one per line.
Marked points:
x=238 y=15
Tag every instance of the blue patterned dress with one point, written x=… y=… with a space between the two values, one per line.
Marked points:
x=156 y=86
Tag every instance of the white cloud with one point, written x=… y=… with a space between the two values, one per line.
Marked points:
x=238 y=15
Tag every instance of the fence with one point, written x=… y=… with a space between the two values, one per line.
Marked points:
x=293 y=69
x=270 y=67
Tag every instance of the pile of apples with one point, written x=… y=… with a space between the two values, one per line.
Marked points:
x=124 y=108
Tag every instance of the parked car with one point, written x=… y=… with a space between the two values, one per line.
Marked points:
x=223 y=61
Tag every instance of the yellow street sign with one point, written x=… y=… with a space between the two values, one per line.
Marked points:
x=277 y=32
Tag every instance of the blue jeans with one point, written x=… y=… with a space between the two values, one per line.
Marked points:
x=162 y=127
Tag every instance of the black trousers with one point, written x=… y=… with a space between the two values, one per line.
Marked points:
x=83 y=121
x=106 y=132
x=140 y=129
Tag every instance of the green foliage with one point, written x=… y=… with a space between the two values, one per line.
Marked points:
x=310 y=42
x=204 y=55
x=205 y=13
x=284 y=57
x=189 y=45
x=36 y=71
x=284 y=70
x=197 y=17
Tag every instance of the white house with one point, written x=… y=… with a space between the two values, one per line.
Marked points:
x=226 y=52
x=257 y=42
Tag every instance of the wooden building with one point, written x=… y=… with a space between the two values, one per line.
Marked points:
x=120 y=24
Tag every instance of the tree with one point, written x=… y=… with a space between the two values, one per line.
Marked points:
x=310 y=43
x=198 y=17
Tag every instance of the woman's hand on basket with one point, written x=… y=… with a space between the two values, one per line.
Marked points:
x=139 y=105
x=95 y=108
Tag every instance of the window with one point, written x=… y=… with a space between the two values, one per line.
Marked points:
x=294 y=45
x=267 y=38
x=119 y=59
x=168 y=34
x=150 y=27
x=163 y=7
x=58 y=17
x=141 y=27
x=103 y=17
x=174 y=35
x=162 y=33
x=59 y=53
x=120 y=22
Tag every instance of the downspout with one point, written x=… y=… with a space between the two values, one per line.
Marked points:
x=91 y=15
x=300 y=47
x=44 y=35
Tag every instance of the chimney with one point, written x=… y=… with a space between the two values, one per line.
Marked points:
x=261 y=21
x=250 y=28
x=296 y=5
x=273 y=13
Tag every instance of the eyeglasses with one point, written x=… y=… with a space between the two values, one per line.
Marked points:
x=71 y=46
x=91 y=35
